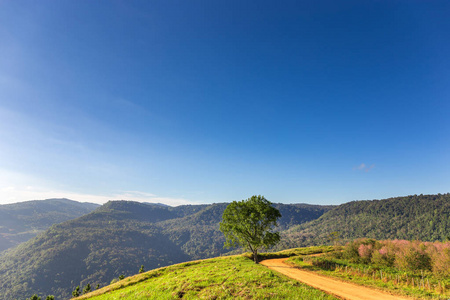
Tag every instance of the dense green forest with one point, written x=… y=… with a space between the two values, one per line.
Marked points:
x=417 y=217
x=116 y=239
x=120 y=236
x=20 y=222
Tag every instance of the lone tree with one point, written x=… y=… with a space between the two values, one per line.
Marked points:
x=247 y=223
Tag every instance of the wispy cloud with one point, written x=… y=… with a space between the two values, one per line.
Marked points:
x=11 y=194
x=15 y=187
x=364 y=167
x=360 y=167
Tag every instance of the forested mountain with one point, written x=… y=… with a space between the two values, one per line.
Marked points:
x=21 y=221
x=118 y=238
x=417 y=217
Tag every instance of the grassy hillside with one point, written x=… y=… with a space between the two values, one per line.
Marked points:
x=235 y=277
x=116 y=239
x=20 y=222
x=418 y=217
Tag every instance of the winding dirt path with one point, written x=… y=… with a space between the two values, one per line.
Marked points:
x=341 y=289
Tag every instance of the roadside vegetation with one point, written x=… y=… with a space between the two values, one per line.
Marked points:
x=413 y=268
x=231 y=277
x=299 y=252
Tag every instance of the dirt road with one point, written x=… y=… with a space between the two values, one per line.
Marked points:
x=339 y=288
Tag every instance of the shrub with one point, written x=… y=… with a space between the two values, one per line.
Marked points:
x=405 y=255
x=360 y=250
x=323 y=263
x=440 y=259
x=383 y=257
x=351 y=251
x=413 y=257
x=76 y=291
x=365 y=252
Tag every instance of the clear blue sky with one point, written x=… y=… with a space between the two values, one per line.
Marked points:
x=208 y=101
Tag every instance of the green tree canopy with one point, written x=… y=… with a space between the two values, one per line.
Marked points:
x=76 y=291
x=87 y=288
x=248 y=224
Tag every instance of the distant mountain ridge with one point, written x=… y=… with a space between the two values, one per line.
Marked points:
x=23 y=220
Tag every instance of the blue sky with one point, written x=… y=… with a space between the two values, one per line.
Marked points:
x=180 y=102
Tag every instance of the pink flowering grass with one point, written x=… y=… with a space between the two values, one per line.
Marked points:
x=365 y=252
x=404 y=255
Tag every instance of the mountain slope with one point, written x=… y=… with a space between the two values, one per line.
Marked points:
x=199 y=235
x=417 y=217
x=21 y=221
x=116 y=239
x=94 y=248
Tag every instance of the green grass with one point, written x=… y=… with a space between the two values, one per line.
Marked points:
x=293 y=252
x=233 y=277
x=388 y=279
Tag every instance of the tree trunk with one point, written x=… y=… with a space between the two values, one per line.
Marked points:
x=255 y=256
